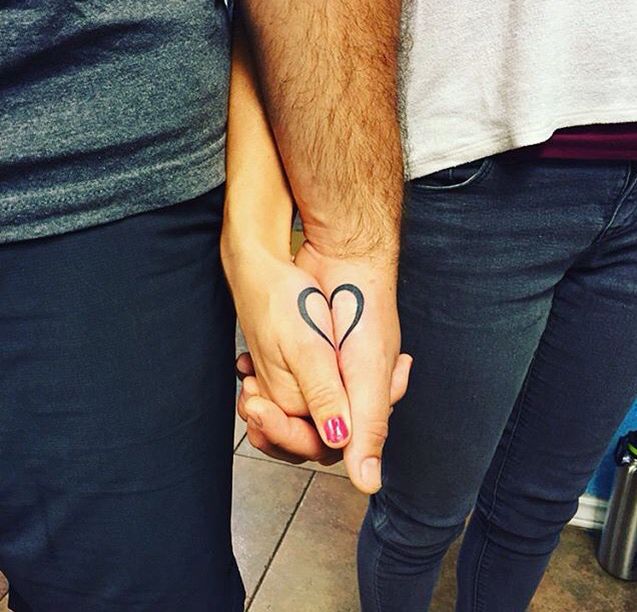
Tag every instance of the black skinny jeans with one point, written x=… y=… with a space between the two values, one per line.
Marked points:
x=116 y=416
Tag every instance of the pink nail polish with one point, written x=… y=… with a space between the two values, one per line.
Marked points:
x=335 y=429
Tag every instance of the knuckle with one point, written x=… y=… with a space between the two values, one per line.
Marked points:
x=376 y=431
x=322 y=395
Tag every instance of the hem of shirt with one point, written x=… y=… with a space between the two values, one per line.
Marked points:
x=200 y=178
x=422 y=165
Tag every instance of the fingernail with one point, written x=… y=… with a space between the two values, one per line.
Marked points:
x=239 y=374
x=370 y=472
x=335 y=429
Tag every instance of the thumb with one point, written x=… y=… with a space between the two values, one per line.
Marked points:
x=319 y=379
x=370 y=408
x=315 y=367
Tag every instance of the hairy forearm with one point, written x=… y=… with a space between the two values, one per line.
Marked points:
x=328 y=70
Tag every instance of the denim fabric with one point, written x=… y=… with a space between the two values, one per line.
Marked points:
x=116 y=412
x=518 y=300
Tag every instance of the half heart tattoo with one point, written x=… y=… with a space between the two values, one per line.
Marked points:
x=347 y=287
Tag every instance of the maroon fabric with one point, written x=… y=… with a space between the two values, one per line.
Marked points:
x=613 y=141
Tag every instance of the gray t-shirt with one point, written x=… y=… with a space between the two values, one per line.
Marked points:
x=108 y=108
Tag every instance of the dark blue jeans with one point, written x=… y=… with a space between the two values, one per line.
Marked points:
x=518 y=300
x=116 y=417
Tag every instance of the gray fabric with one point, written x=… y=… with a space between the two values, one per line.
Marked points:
x=108 y=108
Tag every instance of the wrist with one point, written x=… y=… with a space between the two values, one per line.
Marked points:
x=372 y=240
x=252 y=229
x=244 y=259
x=376 y=261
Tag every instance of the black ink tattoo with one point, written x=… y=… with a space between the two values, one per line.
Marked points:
x=302 y=302
x=360 y=303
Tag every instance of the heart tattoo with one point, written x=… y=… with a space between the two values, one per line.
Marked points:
x=360 y=303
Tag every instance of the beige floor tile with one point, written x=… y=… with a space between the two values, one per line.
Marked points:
x=239 y=425
x=314 y=570
x=264 y=498
x=247 y=450
x=240 y=342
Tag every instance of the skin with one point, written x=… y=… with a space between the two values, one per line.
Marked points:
x=325 y=154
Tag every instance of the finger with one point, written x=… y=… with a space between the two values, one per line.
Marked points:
x=241 y=410
x=260 y=442
x=322 y=388
x=249 y=387
x=276 y=453
x=243 y=366
x=400 y=378
x=314 y=365
x=290 y=435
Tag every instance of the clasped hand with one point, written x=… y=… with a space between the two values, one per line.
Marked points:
x=324 y=367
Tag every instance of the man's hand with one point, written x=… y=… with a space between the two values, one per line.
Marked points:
x=368 y=352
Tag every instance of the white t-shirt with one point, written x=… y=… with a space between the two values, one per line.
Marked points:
x=490 y=76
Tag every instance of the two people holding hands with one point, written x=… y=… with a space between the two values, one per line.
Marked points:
x=323 y=328
x=155 y=151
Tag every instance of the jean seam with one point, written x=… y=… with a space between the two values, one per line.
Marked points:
x=377 y=596
x=496 y=484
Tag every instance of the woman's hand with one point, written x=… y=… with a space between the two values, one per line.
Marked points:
x=295 y=367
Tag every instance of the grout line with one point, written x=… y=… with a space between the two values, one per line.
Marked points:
x=238 y=444
x=300 y=466
x=280 y=542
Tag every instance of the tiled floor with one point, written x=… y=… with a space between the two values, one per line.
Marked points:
x=295 y=537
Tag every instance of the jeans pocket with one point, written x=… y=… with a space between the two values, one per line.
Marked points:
x=456 y=177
